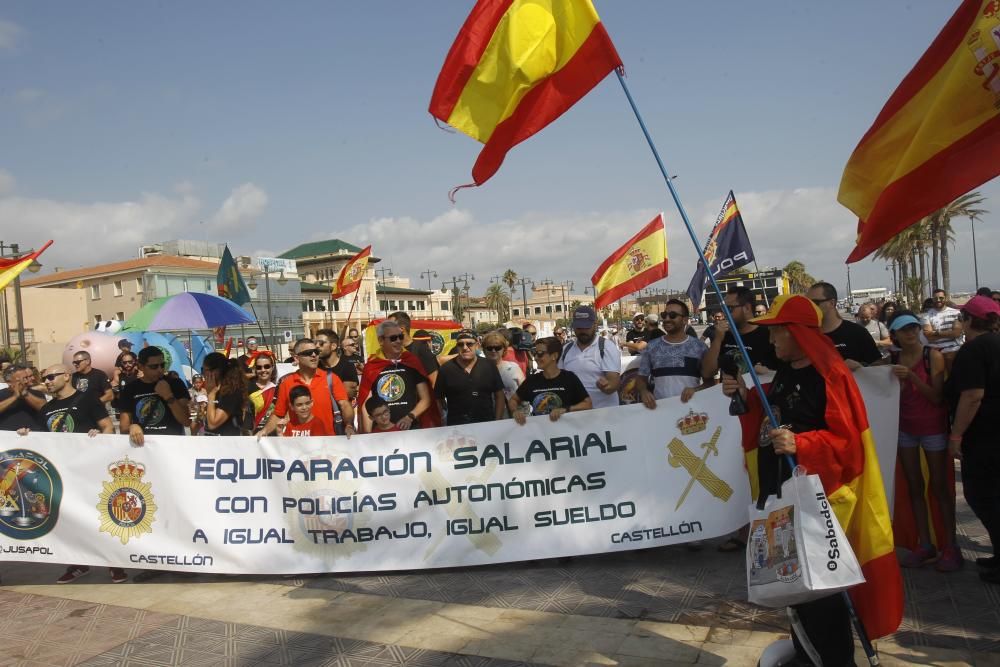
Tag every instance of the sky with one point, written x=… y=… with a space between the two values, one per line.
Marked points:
x=265 y=125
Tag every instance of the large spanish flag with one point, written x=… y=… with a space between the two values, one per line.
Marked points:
x=349 y=278
x=12 y=268
x=640 y=262
x=937 y=137
x=438 y=334
x=844 y=457
x=515 y=67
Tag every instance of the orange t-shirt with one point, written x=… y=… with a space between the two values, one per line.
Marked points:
x=320 y=391
x=312 y=427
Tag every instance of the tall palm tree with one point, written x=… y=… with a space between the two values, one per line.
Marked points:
x=509 y=279
x=799 y=279
x=498 y=300
x=966 y=206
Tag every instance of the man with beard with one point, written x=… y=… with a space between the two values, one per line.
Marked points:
x=397 y=377
x=19 y=403
x=90 y=380
x=154 y=403
x=469 y=385
x=740 y=301
x=854 y=344
x=330 y=359
x=674 y=360
x=418 y=348
x=596 y=361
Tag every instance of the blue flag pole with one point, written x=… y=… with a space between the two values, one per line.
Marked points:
x=858 y=626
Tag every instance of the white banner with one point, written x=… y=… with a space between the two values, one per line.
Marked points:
x=597 y=481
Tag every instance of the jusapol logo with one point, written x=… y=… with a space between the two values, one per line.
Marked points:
x=30 y=494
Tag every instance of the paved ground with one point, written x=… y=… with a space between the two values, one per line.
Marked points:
x=667 y=606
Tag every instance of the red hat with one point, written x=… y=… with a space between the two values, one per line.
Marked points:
x=791 y=309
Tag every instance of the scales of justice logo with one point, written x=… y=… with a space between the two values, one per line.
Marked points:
x=30 y=494
x=682 y=457
x=125 y=506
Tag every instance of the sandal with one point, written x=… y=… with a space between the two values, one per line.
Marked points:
x=732 y=544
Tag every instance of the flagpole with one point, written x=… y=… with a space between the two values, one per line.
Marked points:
x=858 y=626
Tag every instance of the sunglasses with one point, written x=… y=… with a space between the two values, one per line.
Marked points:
x=307 y=353
x=538 y=354
x=153 y=367
x=264 y=368
x=77 y=362
x=52 y=376
x=465 y=344
x=819 y=301
x=672 y=315
x=395 y=338
x=494 y=348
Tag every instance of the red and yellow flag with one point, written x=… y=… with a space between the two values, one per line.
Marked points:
x=515 y=67
x=12 y=268
x=844 y=457
x=349 y=278
x=438 y=335
x=937 y=137
x=640 y=262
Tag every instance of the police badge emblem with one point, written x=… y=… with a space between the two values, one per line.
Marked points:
x=126 y=508
x=30 y=494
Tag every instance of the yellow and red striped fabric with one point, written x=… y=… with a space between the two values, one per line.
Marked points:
x=12 y=268
x=440 y=332
x=349 y=278
x=515 y=67
x=640 y=262
x=844 y=457
x=937 y=137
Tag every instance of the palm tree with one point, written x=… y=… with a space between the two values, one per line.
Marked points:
x=498 y=300
x=965 y=206
x=799 y=279
x=509 y=279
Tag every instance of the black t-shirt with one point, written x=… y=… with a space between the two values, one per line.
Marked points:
x=344 y=369
x=79 y=413
x=397 y=386
x=425 y=355
x=759 y=347
x=95 y=383
x=652 y=334
x=20 y=414
x=470 y=396
x=709 y=333
x=854 y=342
x=545 y=395
x=977 y=366
x=635 y=334
x=798 y=399
x=231 y=404
x=148 y=410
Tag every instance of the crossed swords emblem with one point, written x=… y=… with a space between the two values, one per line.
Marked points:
x=682 y=457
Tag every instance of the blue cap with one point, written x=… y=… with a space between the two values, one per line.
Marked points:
x=903 y=321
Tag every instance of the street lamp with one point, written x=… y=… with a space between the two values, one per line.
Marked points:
x=281 y=280
x=430 y=274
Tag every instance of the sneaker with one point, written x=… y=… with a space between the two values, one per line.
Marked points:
x=73 y=572
x=950 y=560
x=989 y=562
x=117 y=575
x=919 y=556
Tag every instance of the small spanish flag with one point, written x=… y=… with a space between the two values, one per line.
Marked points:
x=436 y=333
x=349 y=278
x=640 y=262
x=938 y=136
x=12 y=268
x=515 y=67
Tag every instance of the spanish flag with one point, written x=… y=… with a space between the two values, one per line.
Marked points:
x=349 y=278
x=12 y=268
x=640 y=262
x=438 y=335
x=515 y=67
x=843 y=455
x=938 y=136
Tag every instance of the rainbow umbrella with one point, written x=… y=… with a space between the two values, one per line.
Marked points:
x=187 y=310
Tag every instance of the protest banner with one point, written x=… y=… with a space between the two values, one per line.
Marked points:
x=603 y=480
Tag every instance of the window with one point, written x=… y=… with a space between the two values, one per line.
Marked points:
x=334 y=305
x=548 y=309
x=208 y=286
x=517 y=311
x=420 y=305
x=118 y=289
x=138 y=285
x=120 y=316
x=383 y=304
x=558 y=307
x=444 y=305
x=95 y=293
x=98 y=319
x=538 y=310
x=409 y=305
x=306 y=306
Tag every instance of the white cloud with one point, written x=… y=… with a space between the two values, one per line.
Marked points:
x=10 y=35
x=7 y=182
x=244 y=204
x=28 y=95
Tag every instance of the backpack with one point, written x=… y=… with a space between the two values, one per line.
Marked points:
x=600 y=347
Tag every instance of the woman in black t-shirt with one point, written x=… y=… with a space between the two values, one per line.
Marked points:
x=551 y=392
x=227 y=397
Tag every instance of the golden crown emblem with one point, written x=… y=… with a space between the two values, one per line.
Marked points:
x=126 y=468
x=692 y=422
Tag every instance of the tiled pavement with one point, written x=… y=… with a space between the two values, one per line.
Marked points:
x=656 y=607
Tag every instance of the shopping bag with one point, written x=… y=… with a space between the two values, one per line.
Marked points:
x=797 y=550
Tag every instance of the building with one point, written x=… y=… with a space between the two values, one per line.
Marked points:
x=870 y=294
x=766 y=285
x=546 y=303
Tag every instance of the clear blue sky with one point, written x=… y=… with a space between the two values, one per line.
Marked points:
x=270 y=124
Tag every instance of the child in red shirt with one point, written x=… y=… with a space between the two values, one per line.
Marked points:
x=378 y=410
x=302 y=422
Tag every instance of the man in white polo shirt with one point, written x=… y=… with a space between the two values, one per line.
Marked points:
x=596 y=360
